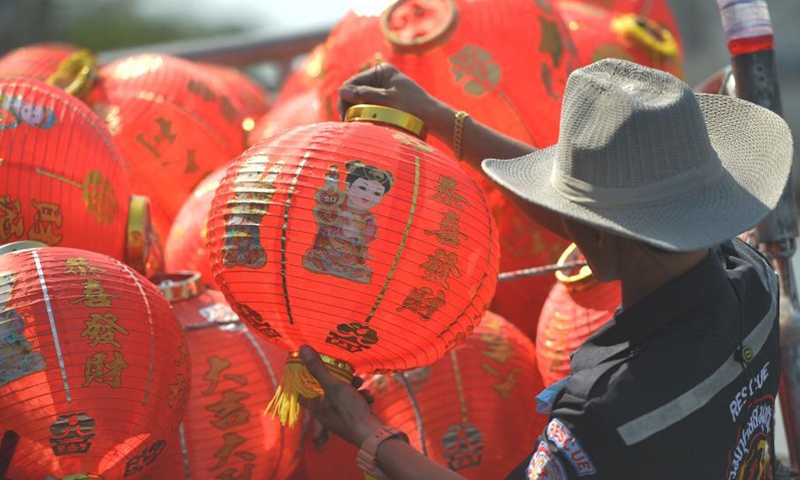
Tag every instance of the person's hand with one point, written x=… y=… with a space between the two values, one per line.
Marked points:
x=387 y=86
x=342 y=409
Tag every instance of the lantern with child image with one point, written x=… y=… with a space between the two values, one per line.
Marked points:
x=578 y=305
x=92 y=378
x=234 y=374
x=356 y=238
x=64 y=182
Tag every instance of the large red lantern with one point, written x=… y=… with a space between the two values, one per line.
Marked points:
x=64 y=181
x=93 y=379
x=186 y=246
x=299 y=110
x=235 y=373
x=600 y=33
x=473 y=411
x=506 y=64
x=64 y=66
x=577 y=307
x=401 y=239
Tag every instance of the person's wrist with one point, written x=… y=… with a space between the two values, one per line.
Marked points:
x=440 y=119
x=365 y=428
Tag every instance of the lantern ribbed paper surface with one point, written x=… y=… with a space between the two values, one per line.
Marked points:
x=93 y=378
x=63 y=181
x=304 y=108
x=600 y=33
x=357 y=239
x=185 y=248
x=235 y=373
x=578 y=305
x=506 y=64
x=473 y=411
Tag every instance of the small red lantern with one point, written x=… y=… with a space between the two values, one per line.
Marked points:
x=186 y=246
x=64 y=66
x=306 y=76
x=600 y=33
x=65 y=182
x=473 y=411
x=235 y=373
x=577 y=307
x=299 y=110
x=93 y=379
x=401 y=239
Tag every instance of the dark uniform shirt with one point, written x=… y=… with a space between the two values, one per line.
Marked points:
x=680 y=386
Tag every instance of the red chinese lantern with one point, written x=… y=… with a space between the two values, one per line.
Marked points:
x=600 y=33
x=64 y=66
x=473 y=411
x=577 y=307
x=299 y=110
x=185 y=248
x=506 y=64
x=64 y=181
x=93 y=379
x=235 y=373
x=401 y=240
x=306 y=76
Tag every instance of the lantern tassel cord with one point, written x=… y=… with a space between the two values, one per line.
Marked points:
x=543 y=270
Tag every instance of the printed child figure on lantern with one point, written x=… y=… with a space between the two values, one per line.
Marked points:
x=16 y=358
x=345 y=225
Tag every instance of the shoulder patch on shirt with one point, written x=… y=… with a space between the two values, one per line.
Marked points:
x=544 y=466
x=751 y=456
x=562 y=437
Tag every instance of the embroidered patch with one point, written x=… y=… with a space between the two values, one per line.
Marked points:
x=559 y=434
x=751 y=456
x=544 y=466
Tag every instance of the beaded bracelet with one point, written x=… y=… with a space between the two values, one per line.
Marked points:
x=458 y=131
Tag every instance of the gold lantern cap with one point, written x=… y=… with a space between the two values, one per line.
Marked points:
x=179 y=286
x=76 y=74
x=584 y=276
x=137 y=244
x=388 y=116
x=17 y=246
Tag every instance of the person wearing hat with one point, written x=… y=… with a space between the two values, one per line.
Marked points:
x=653 y=183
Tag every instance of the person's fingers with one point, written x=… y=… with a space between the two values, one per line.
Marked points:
x=354 y=94
x=315 y=366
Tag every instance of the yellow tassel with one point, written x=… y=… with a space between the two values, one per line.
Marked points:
x=297 y=381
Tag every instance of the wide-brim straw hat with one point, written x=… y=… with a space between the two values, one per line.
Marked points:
x=642 y=156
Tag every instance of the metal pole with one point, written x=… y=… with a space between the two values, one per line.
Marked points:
x=749 y=34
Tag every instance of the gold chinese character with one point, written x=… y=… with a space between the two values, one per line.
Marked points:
x=177 y=391
x=216 y=366
x=227 y=109
x=446 y=193
x=81 y=267
x=102 y=329
x=477 y=66
x=183 y=352
x=449 y=233
x=99 y=198
x=94 y=295
x=45 y=221
x=231 y=442
x=12 y=224
x=109 y=373
x=503 y=388
x=165 y=133
x=201 y=89
x=230 y=411
x=440 y=266
x=499 y=347
x=422 y=302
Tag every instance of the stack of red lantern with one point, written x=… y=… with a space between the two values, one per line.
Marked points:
x=578 y=305
x=401 y=238
x=82 y=333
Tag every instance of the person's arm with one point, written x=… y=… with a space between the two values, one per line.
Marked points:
x=385 y=85
x=345 y=412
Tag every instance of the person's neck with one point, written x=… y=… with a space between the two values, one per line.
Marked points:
x=644 y=271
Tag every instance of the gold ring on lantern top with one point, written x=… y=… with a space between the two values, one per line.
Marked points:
x=413 y=26
x=83 y=476
x=575 y=281
x=178 y=286
x=137 y=247
x=75 y=74
x=647 y=34
x=22 y=245
x=338 y=368
x=388 y=116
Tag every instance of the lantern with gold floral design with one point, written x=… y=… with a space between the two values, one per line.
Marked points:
x=511 y=81
x=64 y=181
x=186 y=246
x=578 y=305
x=92 y=378
x=600 y=33
x=65 y=66
x=235 y=373
x=401 y=239
x=473 y=411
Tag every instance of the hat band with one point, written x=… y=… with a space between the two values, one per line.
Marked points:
x=657 y=193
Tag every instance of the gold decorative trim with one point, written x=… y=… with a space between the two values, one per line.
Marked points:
x=462 y=399
x=420 y=44
x=646 y=33
x=178 y=286
x=76 y=73
x=388 y=116
x=284 y=236
x=21 y=245
x=136 y=245
x=338 y=368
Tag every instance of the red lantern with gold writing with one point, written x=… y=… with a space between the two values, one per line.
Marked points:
x=473 y=411
x=506 y=64
x=64 y=182
x=401 y=239
x=185 y=248
x=92 y=378
x=235 y=373
x=577 y=307
x=600 y=33
x=64 y=66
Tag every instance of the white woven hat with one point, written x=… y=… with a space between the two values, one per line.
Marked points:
x=640 y=155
